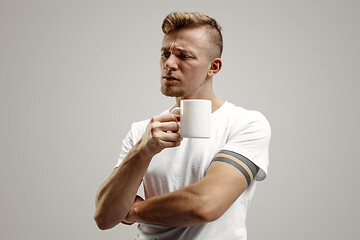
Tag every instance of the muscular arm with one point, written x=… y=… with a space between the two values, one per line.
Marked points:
x=201 y=202
x=117 y=194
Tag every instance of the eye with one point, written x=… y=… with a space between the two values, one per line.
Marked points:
x=165 y=54
x=184 y=56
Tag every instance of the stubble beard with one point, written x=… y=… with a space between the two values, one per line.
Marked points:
x=171 y=91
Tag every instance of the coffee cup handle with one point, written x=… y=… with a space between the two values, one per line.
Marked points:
x=175 y=108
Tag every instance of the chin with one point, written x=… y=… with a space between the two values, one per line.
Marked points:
x=172 y=92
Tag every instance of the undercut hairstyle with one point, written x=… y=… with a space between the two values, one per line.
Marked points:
x=179 y=20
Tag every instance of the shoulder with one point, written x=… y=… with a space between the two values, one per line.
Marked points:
x=249 y=136
x=244 y=118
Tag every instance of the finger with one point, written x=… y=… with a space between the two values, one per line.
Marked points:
x=169 y=126
x=171 y=137
x=170 y=144
x=166 y=117
x=177 y=117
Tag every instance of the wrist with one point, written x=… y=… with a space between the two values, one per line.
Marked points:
x=144 y=151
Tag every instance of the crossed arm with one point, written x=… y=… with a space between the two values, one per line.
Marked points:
x=227 y=177
x=198 y=203
x=201 y=202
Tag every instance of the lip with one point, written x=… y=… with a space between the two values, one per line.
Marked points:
x=170 y=78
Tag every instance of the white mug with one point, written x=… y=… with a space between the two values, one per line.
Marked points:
x=195 y=118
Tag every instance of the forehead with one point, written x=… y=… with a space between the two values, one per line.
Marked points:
x=187 y=39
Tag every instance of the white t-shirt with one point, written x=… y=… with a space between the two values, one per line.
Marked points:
x=232 y=128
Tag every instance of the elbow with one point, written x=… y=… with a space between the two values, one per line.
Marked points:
x=206 y=214
x=104 y=223
x=108 y=217
x=101 y=223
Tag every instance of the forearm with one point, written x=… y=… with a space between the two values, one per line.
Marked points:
x=116 y=196
x=202 y=202
x=182 y=208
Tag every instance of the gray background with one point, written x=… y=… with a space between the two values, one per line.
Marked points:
x=75 y=74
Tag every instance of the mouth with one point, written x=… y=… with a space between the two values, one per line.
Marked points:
x=170 y=78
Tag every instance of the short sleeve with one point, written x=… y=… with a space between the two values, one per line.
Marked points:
x=250 y=136
x=127 y=144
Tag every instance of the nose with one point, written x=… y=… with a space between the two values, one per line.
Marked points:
x=171 y=63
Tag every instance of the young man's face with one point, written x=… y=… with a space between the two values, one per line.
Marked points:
x=185 y=63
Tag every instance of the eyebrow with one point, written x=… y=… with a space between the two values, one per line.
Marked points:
x=177 y=49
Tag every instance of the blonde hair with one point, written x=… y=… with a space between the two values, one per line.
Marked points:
x=179 y=20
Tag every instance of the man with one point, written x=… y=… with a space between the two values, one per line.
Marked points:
x=194 y=188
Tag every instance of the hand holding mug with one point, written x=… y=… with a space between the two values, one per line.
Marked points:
x=161 y=132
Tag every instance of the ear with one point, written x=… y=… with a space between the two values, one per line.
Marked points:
x=215 y=67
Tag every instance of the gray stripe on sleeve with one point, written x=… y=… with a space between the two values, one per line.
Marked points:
x=235 y=164
x=253 y=168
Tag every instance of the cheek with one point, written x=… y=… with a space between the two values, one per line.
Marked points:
x=199 y=72
x=194 y=69
x=161 y=63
